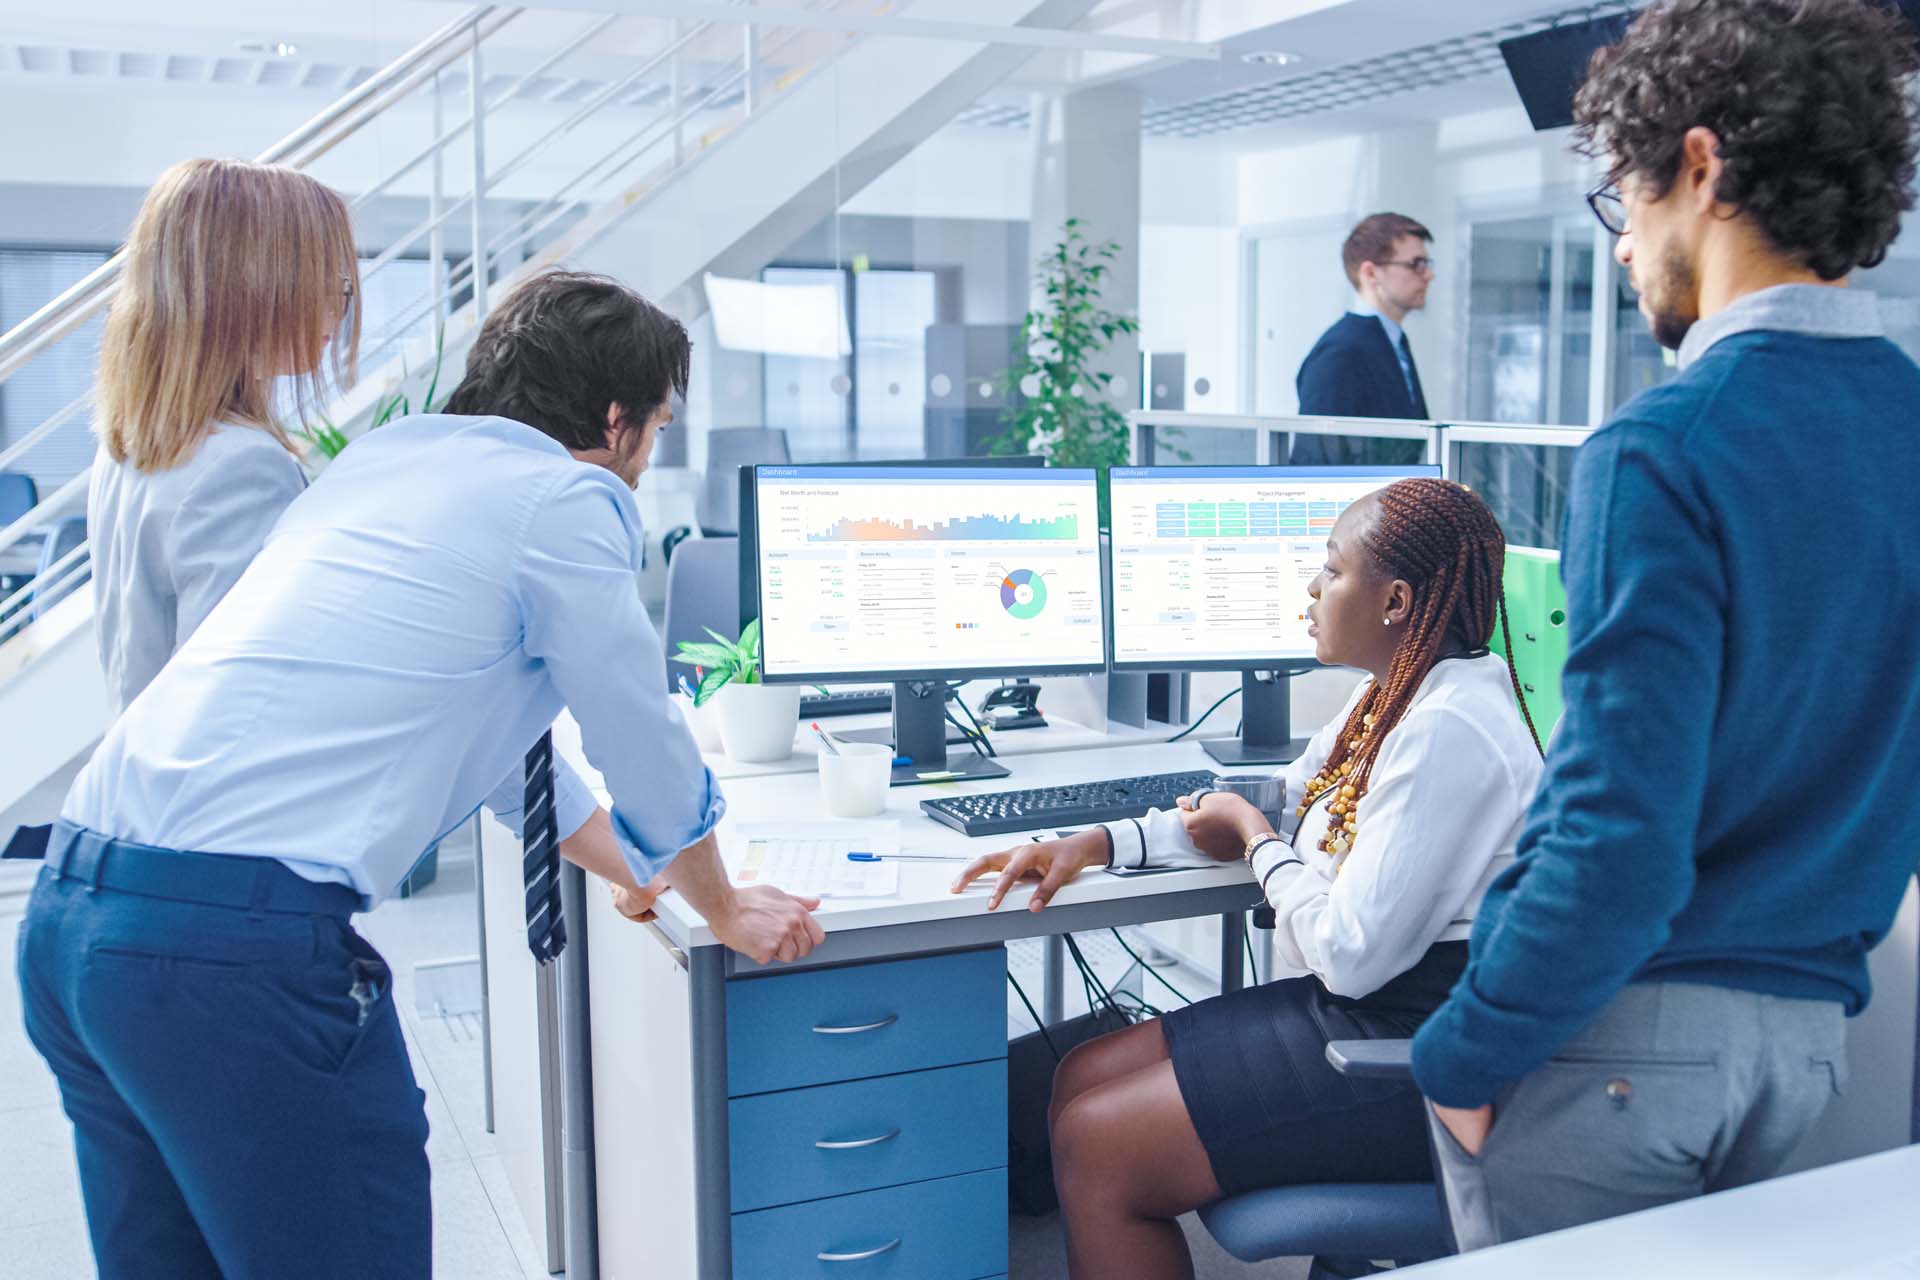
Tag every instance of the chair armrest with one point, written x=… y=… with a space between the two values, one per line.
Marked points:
x=1372 y=1059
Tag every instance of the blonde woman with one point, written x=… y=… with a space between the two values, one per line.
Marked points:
x=239 y=300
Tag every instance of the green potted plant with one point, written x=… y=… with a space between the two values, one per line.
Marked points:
x=1059 y=405
x=757 y=720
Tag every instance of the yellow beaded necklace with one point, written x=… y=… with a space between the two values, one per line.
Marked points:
x=1343 y=828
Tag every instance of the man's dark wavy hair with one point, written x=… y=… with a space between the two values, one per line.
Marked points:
x=1809 y=99
x=564 y=347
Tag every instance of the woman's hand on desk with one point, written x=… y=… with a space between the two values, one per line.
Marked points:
x=1053 y=863
x=1221 y=823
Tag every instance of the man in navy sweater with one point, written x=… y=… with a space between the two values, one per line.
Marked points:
x=1363 y=366
x=1729 y=818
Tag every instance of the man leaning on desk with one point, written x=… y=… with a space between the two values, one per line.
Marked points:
x=226 y=1044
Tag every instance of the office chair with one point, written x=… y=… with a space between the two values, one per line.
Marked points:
x=717 y=510
x=1341 y=1225
x=18 y=495
x=65 y=537
x=703 y=590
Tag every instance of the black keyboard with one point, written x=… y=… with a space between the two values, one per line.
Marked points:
x=1075 y=805
x=845 y=702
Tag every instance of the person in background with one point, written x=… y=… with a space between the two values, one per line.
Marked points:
x=225 y=1042
x=240 y=284
x=1363 y=366
x=1655 y=1000
x=1404 y=807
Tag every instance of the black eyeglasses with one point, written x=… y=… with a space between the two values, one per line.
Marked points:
x=1420 y=264
x=1608 y=206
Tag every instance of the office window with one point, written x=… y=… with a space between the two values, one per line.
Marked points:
x=869 y=400
x=29 y=279
x=395 y=293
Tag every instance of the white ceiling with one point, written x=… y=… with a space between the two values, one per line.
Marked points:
x=1362 y=64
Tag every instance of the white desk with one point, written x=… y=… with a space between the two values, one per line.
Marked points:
x=660 y=1012
x=1848 y=1221
x=1059 y=734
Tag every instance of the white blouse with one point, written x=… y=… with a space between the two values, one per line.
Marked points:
x=1440 y=819
x=167 y=545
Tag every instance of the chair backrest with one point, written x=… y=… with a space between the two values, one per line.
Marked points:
x=67 y=535
x=729 y=449
x=703 y=590
x=18 y=495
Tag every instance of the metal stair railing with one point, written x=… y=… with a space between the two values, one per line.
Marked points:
x=656 y=112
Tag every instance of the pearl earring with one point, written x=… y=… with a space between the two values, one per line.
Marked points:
x=1386 y=622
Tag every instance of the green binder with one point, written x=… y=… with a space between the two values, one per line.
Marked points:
x=1537 y=615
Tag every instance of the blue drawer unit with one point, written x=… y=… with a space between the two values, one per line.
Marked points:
x=788 y=1031
x=946 y=1229
x=830 y=1140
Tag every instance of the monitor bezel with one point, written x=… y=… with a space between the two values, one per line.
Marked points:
x=1294 y=665
x=910 y=674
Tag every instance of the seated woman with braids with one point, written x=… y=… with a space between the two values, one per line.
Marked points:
x=1408 y=803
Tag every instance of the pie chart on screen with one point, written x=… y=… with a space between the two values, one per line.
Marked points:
x=1023 y=593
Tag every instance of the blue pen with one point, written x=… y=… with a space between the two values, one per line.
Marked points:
x=685 y=687
x=907 y=857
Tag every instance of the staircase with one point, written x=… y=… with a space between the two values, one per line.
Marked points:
x=704 y=145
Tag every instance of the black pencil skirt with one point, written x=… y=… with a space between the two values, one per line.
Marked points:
x=1269 y=1108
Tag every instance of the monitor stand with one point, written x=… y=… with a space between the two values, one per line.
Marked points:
x=920 y=733
x=1265 y=724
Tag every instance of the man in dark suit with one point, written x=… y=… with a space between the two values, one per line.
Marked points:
x=1363 y=366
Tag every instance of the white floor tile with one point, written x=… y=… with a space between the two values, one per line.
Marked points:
x=47 y=1251
x=469 y=1242
x=493 y=1176
x=38 y=1179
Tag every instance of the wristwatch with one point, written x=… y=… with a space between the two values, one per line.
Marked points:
x=1253 y=845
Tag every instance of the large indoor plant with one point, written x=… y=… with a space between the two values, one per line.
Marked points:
x=1058 y=403
x=757 y=720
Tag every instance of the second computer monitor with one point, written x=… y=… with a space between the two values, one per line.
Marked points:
x=1211 y=564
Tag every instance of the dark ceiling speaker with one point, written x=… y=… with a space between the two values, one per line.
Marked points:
x=1548 y=66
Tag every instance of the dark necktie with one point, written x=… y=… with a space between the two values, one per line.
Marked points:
x=1412 y=371
x=540 y=861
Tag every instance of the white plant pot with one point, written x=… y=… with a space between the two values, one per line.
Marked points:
x=703 y=721
x=757 y=721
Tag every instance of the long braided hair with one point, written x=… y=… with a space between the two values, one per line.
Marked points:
x=1446 y=544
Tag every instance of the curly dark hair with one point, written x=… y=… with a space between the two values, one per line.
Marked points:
x=1810 y=102
x=563 y=348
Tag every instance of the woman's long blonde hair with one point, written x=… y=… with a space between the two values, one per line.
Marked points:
x=234 y=271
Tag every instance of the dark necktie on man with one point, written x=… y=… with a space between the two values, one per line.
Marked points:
x=540 y=859
x=1412 y=372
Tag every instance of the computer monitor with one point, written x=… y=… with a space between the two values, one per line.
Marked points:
x=1210 y=572
x=918 y=575
x=749 y=541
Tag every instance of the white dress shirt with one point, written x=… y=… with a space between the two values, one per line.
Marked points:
x=415 y=621
x=167 y=545
x=1440 y=819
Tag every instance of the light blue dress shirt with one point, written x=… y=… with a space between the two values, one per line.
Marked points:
x=413 y=624
x=1395 y=335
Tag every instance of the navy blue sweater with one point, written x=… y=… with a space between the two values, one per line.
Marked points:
x=1734 y=796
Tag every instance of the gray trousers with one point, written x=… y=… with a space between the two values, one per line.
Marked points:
x=1672 y=1091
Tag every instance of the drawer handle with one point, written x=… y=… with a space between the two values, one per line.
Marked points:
x=887 y=1021
x=861 y=1256
x=857 y=1143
